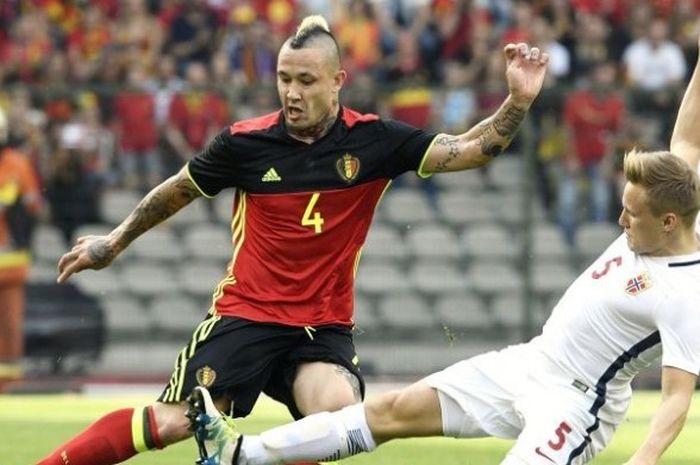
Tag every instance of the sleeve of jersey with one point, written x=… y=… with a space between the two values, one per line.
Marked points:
x=679 y=326
x=214 y=169
x=407 y=148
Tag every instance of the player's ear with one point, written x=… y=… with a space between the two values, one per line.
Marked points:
x=339 y=80
x=671 y=221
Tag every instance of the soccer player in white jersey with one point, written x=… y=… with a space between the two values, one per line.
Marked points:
x=563 y=394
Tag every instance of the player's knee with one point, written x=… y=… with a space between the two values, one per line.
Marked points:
x=171 y=422
x=333 y=401
x=386 y=410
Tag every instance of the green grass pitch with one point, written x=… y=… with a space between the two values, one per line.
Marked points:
x=32 y=426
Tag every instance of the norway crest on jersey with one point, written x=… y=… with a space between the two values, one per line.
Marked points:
x=348 y=166
x=638 y=284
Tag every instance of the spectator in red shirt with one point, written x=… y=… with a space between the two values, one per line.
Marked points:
x=593 y=118
x=196 y=114
x=137 y=133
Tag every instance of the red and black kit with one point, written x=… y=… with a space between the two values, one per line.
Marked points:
x=302 y=211
x=301 y=215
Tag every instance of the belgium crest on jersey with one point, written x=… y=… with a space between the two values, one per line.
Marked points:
x=205 y=376
x=348 y=166
x=638 y=284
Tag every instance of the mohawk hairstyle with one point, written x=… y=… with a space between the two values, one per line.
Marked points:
x=311 y=27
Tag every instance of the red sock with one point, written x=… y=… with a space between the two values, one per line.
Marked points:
x=107 y=441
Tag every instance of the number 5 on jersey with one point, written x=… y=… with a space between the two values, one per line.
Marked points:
x=311 y=217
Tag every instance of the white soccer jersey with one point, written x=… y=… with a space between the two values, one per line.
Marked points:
x=616 y=318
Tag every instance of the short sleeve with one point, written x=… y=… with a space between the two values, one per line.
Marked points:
x=215 y=168
x=679 y=325
x=407 y=146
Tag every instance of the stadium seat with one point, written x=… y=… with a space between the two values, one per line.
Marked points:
x=551 y=279
x=508 y=172
x=508 y=311
x=200 y=278
x=209 y=242
x=462 y=311
x=125 y=317
x=382 y=277
x=117 y=204
x=223 y=206
x=548 y=243
x=365 y=316
x=436 y=278
x=406 y=311
x=48 y=244
x=508 y=207
x=177 y=313
x=461 y=208
x=92 y=229
x=407 y=206
x=433 y=241
x=460 y=182
x=146 y=280
x=490 y=242
x=102 y=283
x=41 y=272
x=147 y=357
x=195 y=213
x=489 y=279
x=159 y=244
x=384 y=242
x=593 y=238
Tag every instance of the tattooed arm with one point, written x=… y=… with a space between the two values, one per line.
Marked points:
x=97 y=252
x=525 y=70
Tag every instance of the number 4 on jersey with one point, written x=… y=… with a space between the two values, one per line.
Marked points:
x=317 y=220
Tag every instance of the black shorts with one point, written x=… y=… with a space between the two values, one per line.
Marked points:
x=238 y=359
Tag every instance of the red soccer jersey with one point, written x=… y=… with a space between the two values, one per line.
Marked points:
x=194 y=114
x=302 y=211
x=135 y=113
x=591 y=118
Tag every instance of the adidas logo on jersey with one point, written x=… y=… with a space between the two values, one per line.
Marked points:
x=271 y=176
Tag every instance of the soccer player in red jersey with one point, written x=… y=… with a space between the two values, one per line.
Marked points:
x=307 y=179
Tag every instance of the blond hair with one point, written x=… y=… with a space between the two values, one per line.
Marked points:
x=671 y=184
x=311 y=22
x=315 y=29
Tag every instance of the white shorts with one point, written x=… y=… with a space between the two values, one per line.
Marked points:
x=504 y=394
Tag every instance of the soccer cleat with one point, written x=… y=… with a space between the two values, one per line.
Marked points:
x=217 y=439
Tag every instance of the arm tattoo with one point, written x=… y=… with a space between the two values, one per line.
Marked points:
x=352 y=379
x=452 y=151
x=502 y=127
x=101 y=254
x=160 y=204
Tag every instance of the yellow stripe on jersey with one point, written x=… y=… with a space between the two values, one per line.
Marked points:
x=357 y=262
x=189 y=175
x=238 y=226
x=137 y=435
x=173 y=392
x=204 y=329
x=420 y=171
x=238 y=233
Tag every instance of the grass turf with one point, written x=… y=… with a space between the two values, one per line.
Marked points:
x=32 y=426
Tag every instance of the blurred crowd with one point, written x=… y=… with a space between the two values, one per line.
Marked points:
x=119 y=93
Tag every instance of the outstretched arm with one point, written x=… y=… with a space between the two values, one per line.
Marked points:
x=677 y=387
x=525 y=70
x=97 y=252
x=685 y=141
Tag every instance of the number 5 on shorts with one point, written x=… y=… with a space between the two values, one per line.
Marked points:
x=317 y=220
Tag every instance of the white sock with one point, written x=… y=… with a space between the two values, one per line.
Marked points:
x=320 y=437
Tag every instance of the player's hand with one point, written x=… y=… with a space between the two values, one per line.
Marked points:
x=525 y=71
x=89 y=252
